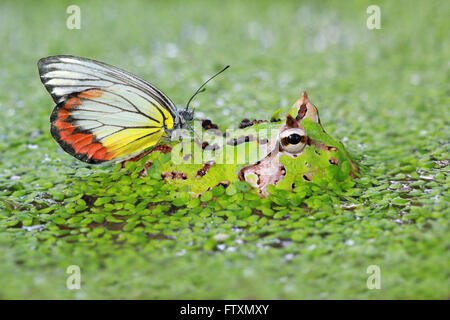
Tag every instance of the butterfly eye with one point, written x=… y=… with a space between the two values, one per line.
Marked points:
x=293 y=140
x=187 y=115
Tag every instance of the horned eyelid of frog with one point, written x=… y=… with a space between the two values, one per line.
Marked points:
x=303 y=108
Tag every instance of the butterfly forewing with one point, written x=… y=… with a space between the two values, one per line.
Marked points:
x=102 y=112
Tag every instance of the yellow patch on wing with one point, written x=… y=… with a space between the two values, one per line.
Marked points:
x=169 y=119
x=131 y=141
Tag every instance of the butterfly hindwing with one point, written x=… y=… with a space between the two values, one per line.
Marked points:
x=96 y=126
x=102 y=112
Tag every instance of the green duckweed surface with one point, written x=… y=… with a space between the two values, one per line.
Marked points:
x=383 y=93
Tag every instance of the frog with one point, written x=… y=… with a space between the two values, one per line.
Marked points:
x=283 y=154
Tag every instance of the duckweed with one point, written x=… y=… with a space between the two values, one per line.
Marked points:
x=383 y=93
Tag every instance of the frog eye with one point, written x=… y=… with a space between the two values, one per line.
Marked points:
x=293 y=140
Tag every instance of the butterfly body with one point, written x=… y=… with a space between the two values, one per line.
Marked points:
x=104 y=113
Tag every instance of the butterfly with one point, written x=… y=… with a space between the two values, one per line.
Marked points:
x=104 y=113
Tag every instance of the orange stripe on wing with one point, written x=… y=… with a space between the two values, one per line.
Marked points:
x=100 y=154
x=63 y=114
x=93 y=148
x=89 y=94
x=77 y=146
x=83 y=143
x=63 y=125
x=88 y=147
x=64 y=134
x=72 y=139
x=103 y=154
x=72 y=102
x=80 y=142
x=110 y=155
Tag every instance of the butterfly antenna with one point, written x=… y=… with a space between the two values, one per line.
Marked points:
x=202 y=87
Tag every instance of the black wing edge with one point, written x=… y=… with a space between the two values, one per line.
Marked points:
x=66 y=146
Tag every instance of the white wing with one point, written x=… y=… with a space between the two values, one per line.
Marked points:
x=63 y=75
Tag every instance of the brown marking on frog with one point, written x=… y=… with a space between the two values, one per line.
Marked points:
x=241 y=139
x=174 y=175
x=198 y=143
x=224 y=184
x=201 y=172
x=208 y=125
x=247 y=123
x=306 y=109
x=321 y=145
x=302 y=106
x=301 y=112
x=269 y=170
x=275 y=120
x=326 y=148
x=163 y=148
x=333 y=161
x=206 y=146
x=290 y=123
x=144 y=171
x=307 y=176
x=187 y=157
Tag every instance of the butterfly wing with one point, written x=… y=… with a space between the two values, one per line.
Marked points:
x=103 y=113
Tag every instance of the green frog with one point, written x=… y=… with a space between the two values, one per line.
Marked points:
x=284 y=154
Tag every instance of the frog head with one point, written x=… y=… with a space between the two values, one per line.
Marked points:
x=302 y=153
